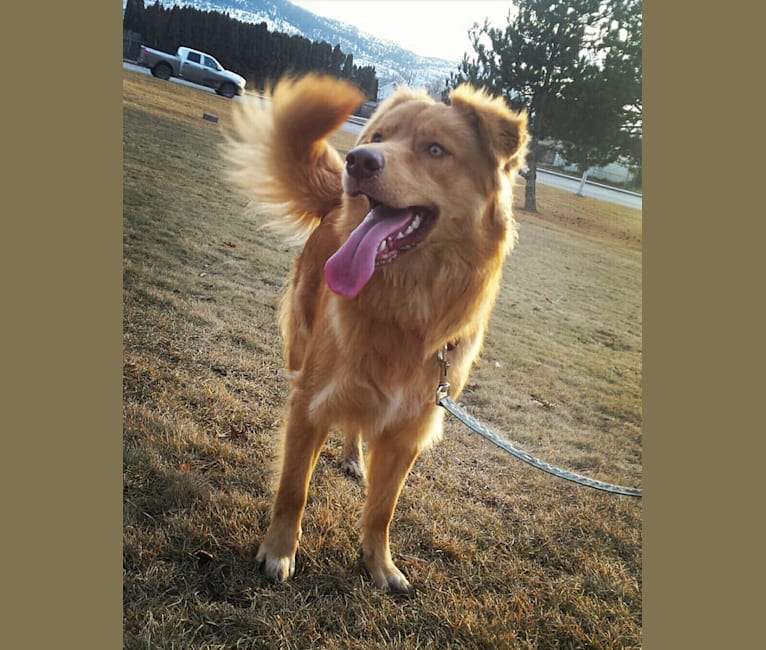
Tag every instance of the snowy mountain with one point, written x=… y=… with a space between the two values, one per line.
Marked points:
x=392 y=62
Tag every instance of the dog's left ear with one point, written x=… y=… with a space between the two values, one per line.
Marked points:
x=503 y=131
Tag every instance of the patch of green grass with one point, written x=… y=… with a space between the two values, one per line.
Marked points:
x=501 y=554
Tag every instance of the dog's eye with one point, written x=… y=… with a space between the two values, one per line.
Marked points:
x=435 y=150
x=376 y=137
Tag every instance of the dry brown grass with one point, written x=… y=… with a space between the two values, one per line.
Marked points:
x=502 y=555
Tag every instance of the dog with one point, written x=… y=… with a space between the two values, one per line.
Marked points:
x=403 y=249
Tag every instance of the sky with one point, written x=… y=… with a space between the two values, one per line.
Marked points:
x=427 y=27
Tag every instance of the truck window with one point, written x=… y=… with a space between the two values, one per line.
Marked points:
x=194 y=57
x=210 y=62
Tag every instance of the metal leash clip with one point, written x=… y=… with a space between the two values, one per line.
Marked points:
x=442 y=390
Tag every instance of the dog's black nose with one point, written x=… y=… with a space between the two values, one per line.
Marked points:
x=363 y=163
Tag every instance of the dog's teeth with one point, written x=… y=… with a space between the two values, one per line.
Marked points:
x=411 y=228
x=382 y=247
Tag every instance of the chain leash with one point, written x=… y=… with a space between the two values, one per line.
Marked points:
x=443 y=399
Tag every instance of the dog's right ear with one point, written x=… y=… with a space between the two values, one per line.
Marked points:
x=501 y=130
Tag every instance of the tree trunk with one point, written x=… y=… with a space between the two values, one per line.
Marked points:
x=530 y=190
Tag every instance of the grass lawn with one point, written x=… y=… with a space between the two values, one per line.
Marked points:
x=501 y=555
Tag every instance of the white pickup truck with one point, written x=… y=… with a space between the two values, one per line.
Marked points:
x=194 y=66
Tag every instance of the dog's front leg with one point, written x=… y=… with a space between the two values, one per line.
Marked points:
x=303 y=442
x=391 y=457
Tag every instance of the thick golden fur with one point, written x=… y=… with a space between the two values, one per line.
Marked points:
x=367 y=365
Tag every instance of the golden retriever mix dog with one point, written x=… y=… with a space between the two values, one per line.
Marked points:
x=404 y=248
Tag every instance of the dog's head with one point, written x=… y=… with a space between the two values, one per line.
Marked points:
x=427 y=179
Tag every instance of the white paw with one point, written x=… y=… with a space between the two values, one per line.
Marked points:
x=276 y=568
x=390 y=579
x=397 y=583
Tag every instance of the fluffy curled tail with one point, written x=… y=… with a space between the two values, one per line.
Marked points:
x=279 y=158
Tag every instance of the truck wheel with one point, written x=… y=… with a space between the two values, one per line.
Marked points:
x=162 y=71
x=227 y=89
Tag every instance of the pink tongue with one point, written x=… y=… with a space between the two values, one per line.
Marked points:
x=353 y=264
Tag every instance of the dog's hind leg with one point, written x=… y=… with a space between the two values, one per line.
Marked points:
x=303 y=443
x=391 y=457
x=352 y=462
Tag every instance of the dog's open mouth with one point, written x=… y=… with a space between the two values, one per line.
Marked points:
x=379 y=239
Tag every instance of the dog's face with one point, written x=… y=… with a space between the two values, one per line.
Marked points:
x=426 y=179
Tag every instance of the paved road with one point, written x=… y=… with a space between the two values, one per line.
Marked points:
x=594 y=190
